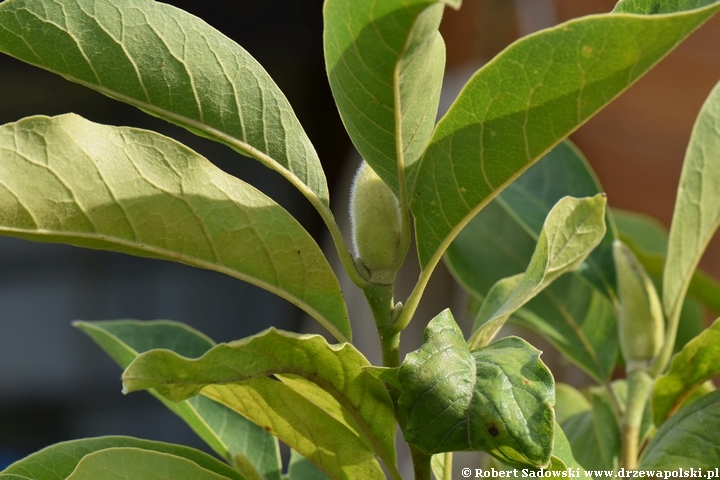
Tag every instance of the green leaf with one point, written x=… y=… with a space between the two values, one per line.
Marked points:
x=689 y=439
x=60 y=460
x=437 y=465
x=139 y=192
x=170 y=64
x=562 y=451
x=497 y=399
x=336 y=369
x=249 y=447
x=302 y=469
x=574 y=313
x=564 y=171
x=573 y=228
x=641 y=233
x=385 y=61
x=698 y=361
x=525 y=101
x=569 y=402
x=136 y=464
x=697 y=209
x=313 y=429
x=594 y=434
x=386 y=374
x=561 y=460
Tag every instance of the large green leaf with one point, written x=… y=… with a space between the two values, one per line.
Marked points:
x=697 y=212
x=136 y=464
x=385 y=61
x=172 y=65
x=592 y=432
x=139 y=192
x=574 y=313
x=59 y=461
x=310 y=426
x=690 y=439
x=698 y=362
x=564 y=171
x=527 y=99
x=641 y=233
x=249 y=447
x=569 y=402
x=352 y=395
x=496 y=399
x=572 y=229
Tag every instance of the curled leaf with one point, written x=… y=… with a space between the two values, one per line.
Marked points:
x=497 y=399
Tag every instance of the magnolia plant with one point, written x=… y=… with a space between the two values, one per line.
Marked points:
x=492 y=187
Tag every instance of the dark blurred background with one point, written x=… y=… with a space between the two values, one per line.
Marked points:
x=55 y=384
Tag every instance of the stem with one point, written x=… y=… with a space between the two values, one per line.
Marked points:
x=421 y=462
x=414 y=299
x=380 y=299
x=640 y=385
x=447 y=470
x=345 y=256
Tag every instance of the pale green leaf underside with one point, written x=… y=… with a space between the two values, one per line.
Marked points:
x=250 y=448
x=574 y=313
x=496 y=399
x=437 y=465
x=526 y=100
x=385 y=62
x=172 y=65
x=336 y=370
x=573 y=228
x=690 y=439
x=331 y=444
x=697 y=207
x=58 y=462
x=697 y=362
x=136 y=464
x=139 y=192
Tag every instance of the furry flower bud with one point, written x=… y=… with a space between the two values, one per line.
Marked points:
x=640 y=319
x=376 y=225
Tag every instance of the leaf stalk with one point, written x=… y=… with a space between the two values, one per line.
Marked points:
x=640 y=385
